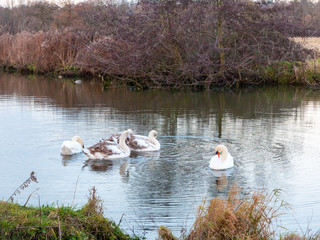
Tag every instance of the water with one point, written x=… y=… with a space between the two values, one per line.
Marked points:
x=273 y=134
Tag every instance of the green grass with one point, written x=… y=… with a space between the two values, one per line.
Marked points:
x=292 y=73
x=235 y=218
x=64 y=222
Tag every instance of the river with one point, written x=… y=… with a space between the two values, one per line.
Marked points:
x=273 y=134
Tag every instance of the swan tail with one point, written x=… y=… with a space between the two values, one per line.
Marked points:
x=65 y=151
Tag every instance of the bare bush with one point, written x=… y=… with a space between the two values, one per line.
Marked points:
x=165 y=44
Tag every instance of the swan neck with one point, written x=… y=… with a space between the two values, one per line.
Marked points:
x=153 y=140
x=122 y=143
x=150 y=136
x=224 y=155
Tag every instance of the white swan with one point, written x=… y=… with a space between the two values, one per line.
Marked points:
x=109 y=150
x=140 y=143
x=222 y=159
x=72 y=147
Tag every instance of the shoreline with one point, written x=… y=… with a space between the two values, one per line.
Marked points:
x=234 y=218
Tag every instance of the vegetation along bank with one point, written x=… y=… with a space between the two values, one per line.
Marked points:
x=164 y=44
x=234 y=218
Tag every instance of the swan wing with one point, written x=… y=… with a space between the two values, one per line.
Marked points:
x=105 y=150
x=113 y=138
x=217 y=163
x=70 y=147
x=141 y=144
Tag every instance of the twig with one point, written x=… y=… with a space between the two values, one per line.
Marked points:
x=120 y=219
x=60 y=233
x=236 y=209
x=39 y=210
x=30 y=196
x=75 y=189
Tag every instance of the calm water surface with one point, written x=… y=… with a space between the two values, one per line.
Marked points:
x=273 y=134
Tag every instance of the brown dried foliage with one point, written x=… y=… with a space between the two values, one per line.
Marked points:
x=165 y=234
x=158 y=44
x=40 y=52
x=235 y=218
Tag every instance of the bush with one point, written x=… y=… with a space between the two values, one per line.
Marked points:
x=237 y=219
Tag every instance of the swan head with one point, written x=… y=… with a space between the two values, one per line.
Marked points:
x=78 y=139
x=130 y=131
x=221 y=151
x=125 y=135
x=153 y=134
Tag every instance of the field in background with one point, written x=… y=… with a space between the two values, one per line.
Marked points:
x=309 y=42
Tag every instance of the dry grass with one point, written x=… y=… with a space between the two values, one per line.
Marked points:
x=236 y=219
x=40 y=52
x=165 y=234
x=309 y=42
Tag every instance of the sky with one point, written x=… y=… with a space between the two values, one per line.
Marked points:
x=6 y=3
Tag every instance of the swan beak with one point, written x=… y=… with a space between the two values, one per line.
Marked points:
x=218 y=154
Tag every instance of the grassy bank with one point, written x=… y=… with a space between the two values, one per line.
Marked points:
x=65 y=222
x=163 y=44
x=235 y=218
x=292 y=73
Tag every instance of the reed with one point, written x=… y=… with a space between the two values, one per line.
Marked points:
x=165 y=234
x=41 y=52
x=23 y=186
x=234 y=218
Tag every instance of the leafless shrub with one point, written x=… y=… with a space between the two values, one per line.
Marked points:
x=163 y=44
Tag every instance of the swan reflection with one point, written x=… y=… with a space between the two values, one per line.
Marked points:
x=221 y=178
x=98 y=165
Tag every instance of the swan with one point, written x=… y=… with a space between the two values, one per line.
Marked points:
x=139 y=143
x=116 y=136
x=222 y=159
x=71 y=147
x=109 y=150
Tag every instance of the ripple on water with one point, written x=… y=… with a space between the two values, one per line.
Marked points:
x=175 y=178
x=273 y=135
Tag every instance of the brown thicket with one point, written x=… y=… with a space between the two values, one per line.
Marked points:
x=161 y=44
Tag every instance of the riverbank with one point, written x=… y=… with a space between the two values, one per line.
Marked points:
x=60 y=222
x=197 y=45
x=297 y=73
x=234 y=218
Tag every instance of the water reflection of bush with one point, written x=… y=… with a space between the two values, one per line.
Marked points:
x=166 y=111
x=244 y=103
x=213 y=114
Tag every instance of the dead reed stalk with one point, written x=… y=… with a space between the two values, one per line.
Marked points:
x=237 y=219
x=24 y=185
